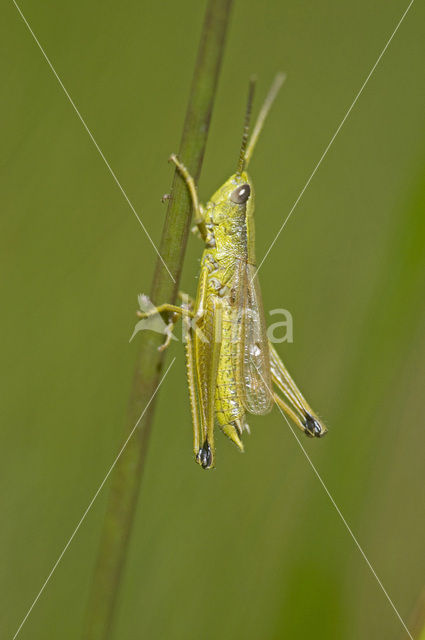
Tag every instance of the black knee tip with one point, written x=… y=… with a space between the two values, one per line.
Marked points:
x=313 y=428
x=204 y=456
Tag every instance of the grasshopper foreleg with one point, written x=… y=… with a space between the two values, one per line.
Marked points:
x=198 y=209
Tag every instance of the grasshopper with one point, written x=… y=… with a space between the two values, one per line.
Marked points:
x=232 y=368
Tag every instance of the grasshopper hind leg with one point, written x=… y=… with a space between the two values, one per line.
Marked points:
x=202 y=418
x=294 y=405
x=204 y=457
x=313 y=428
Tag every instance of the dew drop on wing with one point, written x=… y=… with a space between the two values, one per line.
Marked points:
x=255 y=350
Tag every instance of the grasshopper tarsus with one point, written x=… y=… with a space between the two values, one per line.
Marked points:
x=169 y=333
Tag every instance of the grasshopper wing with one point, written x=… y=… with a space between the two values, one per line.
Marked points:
x=254 y=356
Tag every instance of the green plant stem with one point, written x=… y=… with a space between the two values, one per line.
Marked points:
x=127 y=474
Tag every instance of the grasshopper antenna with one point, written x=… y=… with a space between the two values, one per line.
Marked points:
x=242 y=155
x=274 y=90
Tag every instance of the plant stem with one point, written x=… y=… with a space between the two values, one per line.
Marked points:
x=127 y=474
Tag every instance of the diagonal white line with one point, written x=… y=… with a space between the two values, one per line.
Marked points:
x=91 y=503
x=347 y=526
x=334 y=136
x=93 y=140
x=338 y=510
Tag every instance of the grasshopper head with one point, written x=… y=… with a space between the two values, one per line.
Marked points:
x=231 y=209
x=235 y=195
x=232 y=214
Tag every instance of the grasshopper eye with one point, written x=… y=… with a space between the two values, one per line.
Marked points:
x=241 y=194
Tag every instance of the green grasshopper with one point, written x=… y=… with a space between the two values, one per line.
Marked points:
x=231 y=365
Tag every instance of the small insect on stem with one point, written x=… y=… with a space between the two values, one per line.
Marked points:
x=232 y=368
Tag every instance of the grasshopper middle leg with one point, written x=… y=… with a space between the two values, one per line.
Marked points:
x=174 y=312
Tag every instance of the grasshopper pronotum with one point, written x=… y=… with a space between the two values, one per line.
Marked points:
x=231 y=365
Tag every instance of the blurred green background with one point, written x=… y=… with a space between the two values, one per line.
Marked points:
x=254 y=549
